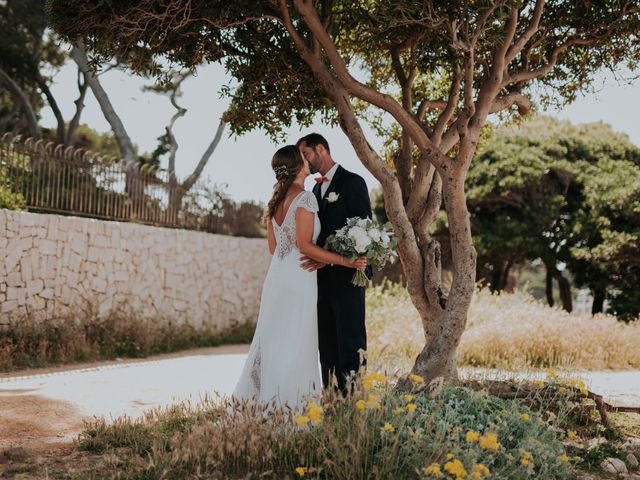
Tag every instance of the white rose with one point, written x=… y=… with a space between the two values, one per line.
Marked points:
x=362 y=222
x=384 y=238
x=357 y=233
x=361 y=247
x=362 y=240
x=374 y=234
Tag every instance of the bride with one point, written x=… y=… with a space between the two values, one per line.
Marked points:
x=282 y=365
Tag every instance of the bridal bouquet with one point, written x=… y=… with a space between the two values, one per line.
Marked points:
x=360 y=237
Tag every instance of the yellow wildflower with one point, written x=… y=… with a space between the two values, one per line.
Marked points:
x=562 y=390
x=360 y=404
x=408 y=398
x=449 y=456
x=526 y=458
x=377 y=377
x=564 y=458
x=551 y=372
x=398 y=410
x=571 y=434
x=416 y=378
x=489 y=441
x=433 y=469
x=302 y=420
x=479 y=471
x=472 y=436
x=455 y=467
x=584 y=392
x=371 y=378
x=314 y=412
x=539 y=383
x=411 y=407
x=388 y=428
x=301 y=471
x=525 y=416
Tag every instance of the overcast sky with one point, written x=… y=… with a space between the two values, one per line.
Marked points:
x=243 y=163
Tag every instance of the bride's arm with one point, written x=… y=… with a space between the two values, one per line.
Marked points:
x=271 y=238
x=304 y=232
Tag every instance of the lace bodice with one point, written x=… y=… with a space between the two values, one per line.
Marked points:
x=285 y=234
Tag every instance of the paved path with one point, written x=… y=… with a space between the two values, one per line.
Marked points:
x=49 y=406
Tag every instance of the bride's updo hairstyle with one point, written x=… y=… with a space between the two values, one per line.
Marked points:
x=286 y=163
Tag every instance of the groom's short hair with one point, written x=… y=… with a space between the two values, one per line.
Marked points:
x=313 y=140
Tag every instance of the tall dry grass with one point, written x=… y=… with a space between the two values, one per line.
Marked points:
x=86 y=336
x=509 y=331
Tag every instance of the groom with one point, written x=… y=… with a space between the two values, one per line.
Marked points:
x=341 y=312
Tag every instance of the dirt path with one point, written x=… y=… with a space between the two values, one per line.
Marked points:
x=42 y=411
x=33 y=421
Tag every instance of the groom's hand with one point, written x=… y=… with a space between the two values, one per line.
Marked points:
x=309 y=264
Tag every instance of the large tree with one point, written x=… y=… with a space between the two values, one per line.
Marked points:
x=343 y=59
x=549 y=190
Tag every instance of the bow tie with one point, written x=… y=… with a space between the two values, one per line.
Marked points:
x=322 y=179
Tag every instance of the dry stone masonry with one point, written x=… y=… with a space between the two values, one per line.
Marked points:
x=52 y=265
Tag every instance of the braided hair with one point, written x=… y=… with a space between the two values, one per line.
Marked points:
x=286 y=163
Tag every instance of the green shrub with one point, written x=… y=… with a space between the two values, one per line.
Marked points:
x=8 y=198
x=377 y=433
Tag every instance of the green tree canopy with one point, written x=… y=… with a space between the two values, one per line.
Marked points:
x=566 y=194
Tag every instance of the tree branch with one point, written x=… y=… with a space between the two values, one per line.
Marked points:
x=427 y=105
x=445 y=116
x=527 y=75
x=122 y=137
x=504 y=102
x=529 y=32
x=423 y=178
x=193 y=178
x=44 y=88
x=180 y=112
x=79 y=102
x=468 y=84
x=21 y=96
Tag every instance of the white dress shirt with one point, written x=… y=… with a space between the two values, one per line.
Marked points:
x=325 y=185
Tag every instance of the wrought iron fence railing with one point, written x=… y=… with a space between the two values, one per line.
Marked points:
x=55 y=179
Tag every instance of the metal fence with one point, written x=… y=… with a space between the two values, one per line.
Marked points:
x=52 y=178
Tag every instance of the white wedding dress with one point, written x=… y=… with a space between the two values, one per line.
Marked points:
x=283 y=361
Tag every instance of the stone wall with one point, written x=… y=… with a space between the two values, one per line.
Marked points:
x=51 y=266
